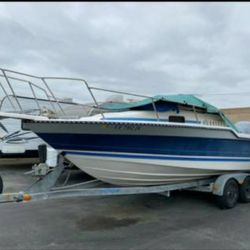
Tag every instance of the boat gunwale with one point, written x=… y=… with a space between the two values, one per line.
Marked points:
x=151 y=123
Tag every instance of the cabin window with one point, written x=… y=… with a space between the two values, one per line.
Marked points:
x=175 y=118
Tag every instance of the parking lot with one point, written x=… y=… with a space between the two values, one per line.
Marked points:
x=187 y=220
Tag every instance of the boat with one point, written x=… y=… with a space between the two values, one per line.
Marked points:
x=189 y=140
x=17 y=147
x=156 y=140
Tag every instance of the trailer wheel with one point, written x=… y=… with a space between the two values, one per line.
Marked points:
x=1 y=185
x=230 y=195
x=245 y=190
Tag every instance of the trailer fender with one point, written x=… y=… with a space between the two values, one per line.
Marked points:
x=220 y=182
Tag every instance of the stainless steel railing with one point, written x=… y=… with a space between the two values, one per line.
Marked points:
x=10 y=75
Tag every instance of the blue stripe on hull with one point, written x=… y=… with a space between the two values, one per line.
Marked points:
x=156 y=157
x=166 y=145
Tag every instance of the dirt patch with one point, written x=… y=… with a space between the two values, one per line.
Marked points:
x=104 y=223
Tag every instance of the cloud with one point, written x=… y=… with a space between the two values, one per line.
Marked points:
x=147 y=48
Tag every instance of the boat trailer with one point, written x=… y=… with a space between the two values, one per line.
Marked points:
x=228 y=188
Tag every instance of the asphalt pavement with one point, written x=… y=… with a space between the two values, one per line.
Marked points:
x=186 y=220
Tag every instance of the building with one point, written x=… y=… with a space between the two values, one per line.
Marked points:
x=237 y=114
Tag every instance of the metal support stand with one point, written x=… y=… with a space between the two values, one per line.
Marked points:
x=44 y=184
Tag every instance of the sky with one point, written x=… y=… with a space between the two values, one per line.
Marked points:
x=143 y=48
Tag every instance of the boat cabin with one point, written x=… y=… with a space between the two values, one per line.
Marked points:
x=168 y=108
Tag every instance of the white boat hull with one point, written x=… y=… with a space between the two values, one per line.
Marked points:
x=140 y=172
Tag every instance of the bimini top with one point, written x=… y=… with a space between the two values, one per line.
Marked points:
x=167 y=102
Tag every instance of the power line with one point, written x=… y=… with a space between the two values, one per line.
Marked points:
x=221 y=94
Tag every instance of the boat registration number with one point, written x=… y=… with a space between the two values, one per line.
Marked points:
x=130 y=127
x=127 y=127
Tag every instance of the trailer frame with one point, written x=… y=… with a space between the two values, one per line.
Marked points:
x=45 y=187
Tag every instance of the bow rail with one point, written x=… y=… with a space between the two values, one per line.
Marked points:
x=8 y=78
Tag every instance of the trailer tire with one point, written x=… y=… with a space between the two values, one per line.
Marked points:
x=1 y=185
x=230 y=195
x=245 y=191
